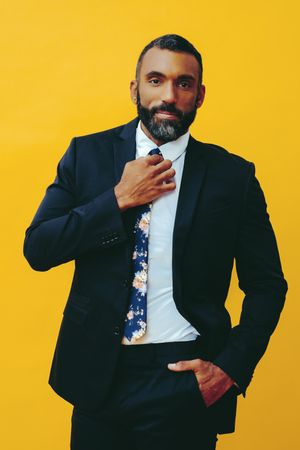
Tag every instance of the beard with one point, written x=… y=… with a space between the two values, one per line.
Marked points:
x=165 y=130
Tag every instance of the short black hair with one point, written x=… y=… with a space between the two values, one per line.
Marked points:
x=174 y=43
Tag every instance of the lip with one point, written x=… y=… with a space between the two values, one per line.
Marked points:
x=166 y=115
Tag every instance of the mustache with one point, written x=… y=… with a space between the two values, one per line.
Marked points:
x=166 y=108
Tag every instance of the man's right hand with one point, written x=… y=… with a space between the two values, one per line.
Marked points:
x=143 y=180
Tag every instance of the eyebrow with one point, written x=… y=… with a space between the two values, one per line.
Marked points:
x=155 y=73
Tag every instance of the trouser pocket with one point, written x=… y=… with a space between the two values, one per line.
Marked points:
x=196 y=391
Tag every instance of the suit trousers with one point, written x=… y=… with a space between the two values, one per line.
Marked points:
x=149 y=406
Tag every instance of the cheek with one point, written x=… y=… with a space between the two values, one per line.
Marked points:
x=186 y=102
x=149 y=97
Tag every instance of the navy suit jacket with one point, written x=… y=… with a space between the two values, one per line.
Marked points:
x=221 y=217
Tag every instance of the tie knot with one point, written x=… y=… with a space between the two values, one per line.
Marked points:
x=155 y=151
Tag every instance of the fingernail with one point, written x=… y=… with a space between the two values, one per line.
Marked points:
x=171 y=365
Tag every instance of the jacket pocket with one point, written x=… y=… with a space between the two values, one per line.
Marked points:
x=77 y=307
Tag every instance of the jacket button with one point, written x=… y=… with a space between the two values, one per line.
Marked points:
x=117 y=331
x=126 y=283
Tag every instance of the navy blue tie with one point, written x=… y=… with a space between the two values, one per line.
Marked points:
x=136 y=318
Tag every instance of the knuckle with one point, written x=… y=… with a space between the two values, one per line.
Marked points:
x=145 y=161
x=152 y=171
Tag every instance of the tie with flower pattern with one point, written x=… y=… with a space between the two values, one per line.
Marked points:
x=136 y=319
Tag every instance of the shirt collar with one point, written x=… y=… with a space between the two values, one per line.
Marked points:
x=171 y=150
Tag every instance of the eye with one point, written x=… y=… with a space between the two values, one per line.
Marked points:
x=184 y=84
x=154 y=81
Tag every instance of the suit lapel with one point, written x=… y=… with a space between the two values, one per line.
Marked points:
x=125 y=147
x=124 y=151
x=191 y=183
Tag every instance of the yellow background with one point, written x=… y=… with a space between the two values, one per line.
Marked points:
x=65 y=71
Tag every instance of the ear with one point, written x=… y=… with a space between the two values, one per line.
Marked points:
x=133 y=91
x=200 y=96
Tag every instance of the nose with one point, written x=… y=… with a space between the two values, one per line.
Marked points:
x=169 y=93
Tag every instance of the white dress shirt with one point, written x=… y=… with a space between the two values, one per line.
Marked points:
x=164 y=322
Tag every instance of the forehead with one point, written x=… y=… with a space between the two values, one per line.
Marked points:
x=172 y=64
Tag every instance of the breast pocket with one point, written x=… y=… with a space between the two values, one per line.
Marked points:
x=77 y=307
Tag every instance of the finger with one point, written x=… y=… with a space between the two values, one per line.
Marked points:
x=183 y=365
x=153 y=159
x=165 y=176
x=166 y=187
x=162 y=166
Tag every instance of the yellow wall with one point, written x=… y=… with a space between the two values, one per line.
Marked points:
x=65 y=71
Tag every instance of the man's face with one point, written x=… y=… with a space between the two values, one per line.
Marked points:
x=167 y=93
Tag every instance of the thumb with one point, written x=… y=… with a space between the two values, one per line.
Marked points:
x=184 y=365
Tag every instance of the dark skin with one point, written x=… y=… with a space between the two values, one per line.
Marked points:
x=167 y=78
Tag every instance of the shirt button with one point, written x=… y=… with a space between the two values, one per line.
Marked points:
x=117 y=331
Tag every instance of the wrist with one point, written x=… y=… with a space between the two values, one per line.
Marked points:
x=122 y=201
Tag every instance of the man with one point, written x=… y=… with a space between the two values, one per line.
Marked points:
x=154 y=220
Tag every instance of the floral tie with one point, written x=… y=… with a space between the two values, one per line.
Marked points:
x=136 y=319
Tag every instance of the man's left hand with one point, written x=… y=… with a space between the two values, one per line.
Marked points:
x=212 y=380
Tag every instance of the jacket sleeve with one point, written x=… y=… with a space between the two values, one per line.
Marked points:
x=62 y=230
x=261 y=279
